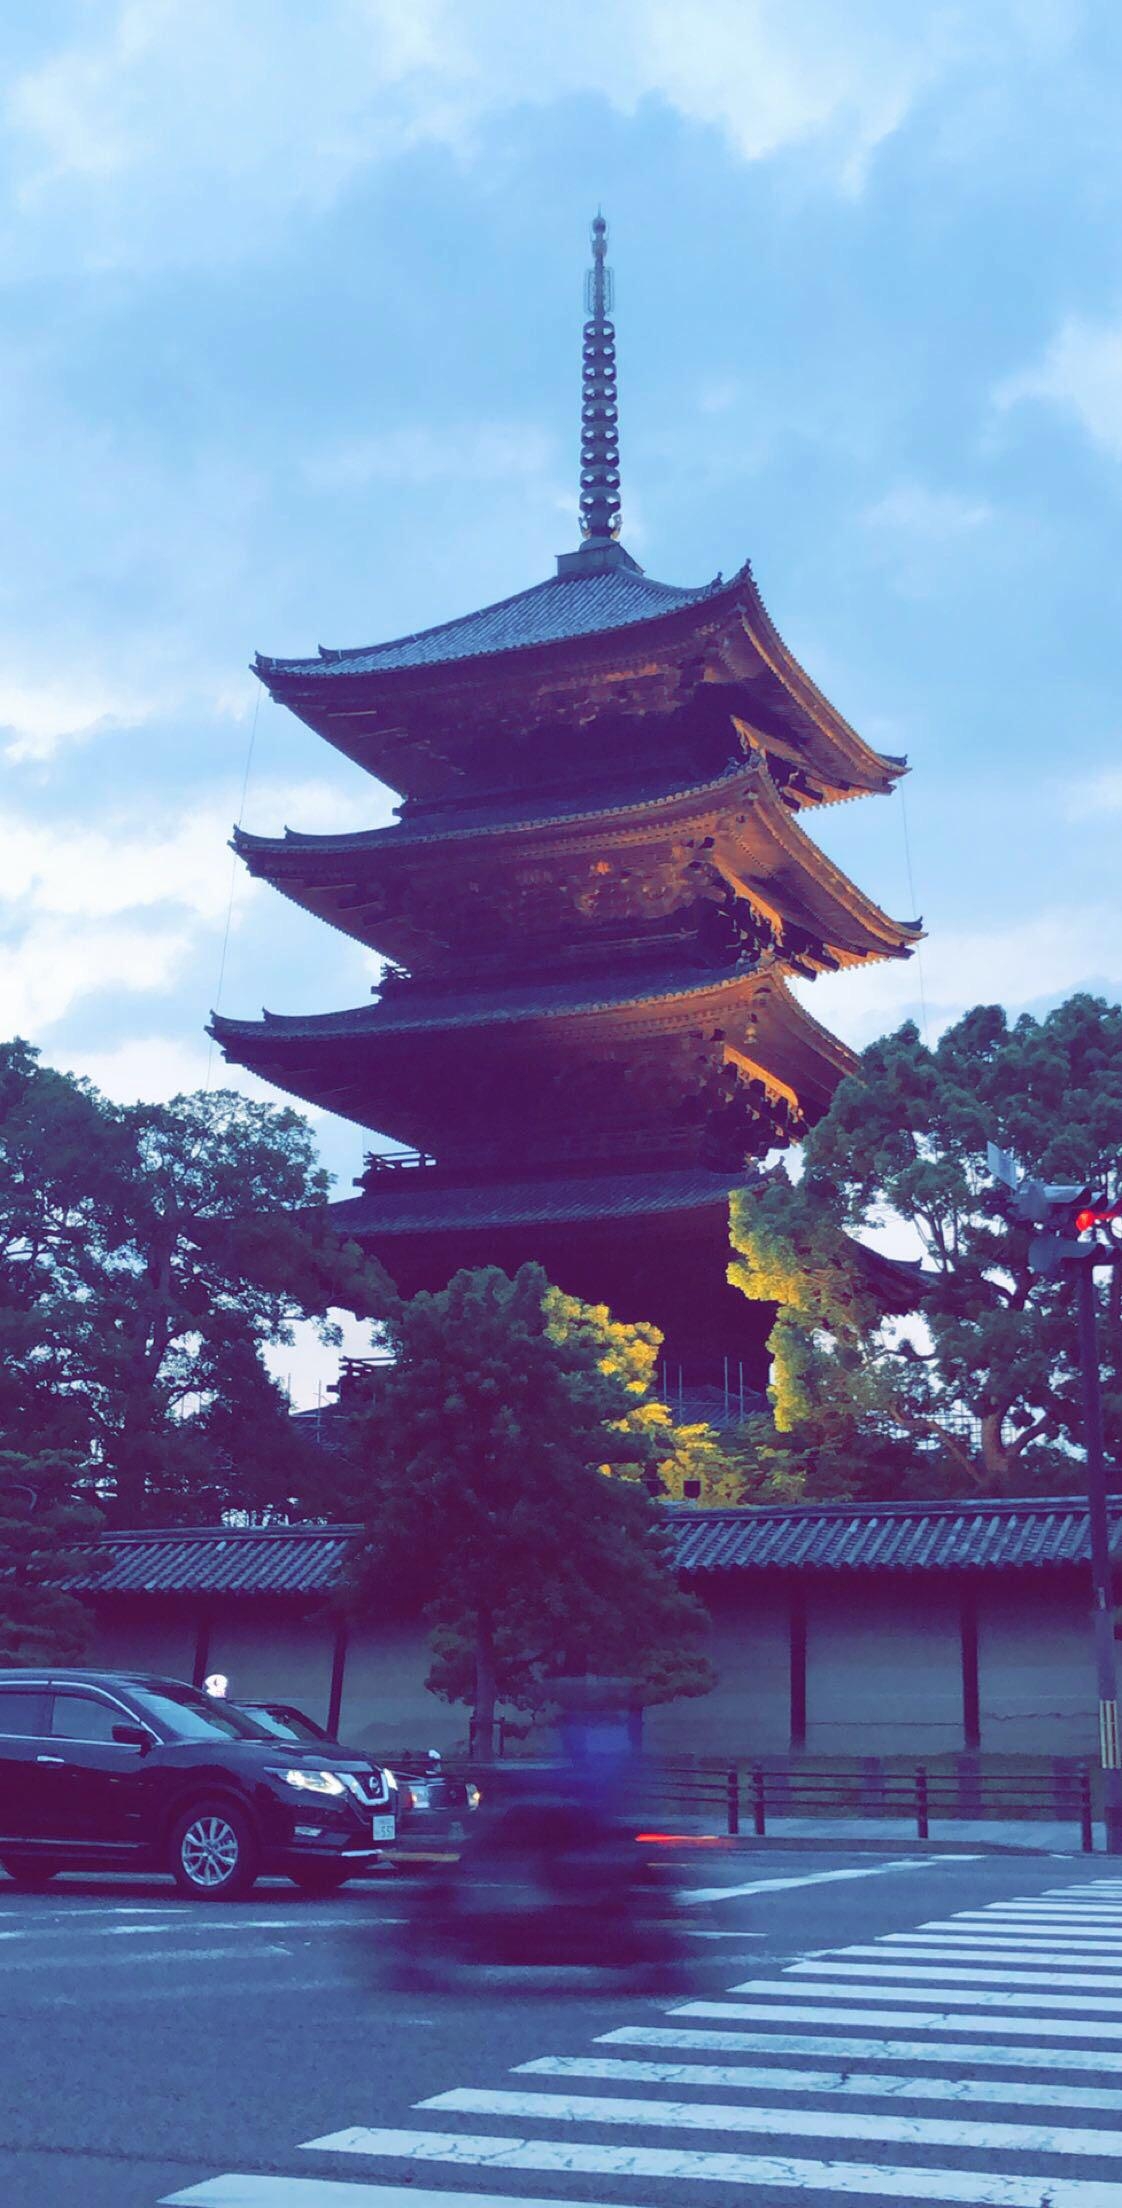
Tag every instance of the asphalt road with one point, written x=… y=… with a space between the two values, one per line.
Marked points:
x=824 y=2048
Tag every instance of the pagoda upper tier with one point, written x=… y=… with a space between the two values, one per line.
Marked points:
x=654 y=864
x=575 y=680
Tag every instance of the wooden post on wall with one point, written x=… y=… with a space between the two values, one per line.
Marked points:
x=202 y=1649
x=968 y=1637
x=338 y=1671
x=796 y=1627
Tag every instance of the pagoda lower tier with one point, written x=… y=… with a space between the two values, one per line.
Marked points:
x=670 y=1065
x=653 y=1246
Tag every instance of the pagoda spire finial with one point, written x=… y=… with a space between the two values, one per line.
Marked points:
x=599 y=421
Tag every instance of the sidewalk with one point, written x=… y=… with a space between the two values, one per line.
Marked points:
x=948 y=1836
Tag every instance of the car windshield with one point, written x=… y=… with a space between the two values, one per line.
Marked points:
x=285 y=1724
x=187 y=1715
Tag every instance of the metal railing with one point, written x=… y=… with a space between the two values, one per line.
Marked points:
x=738 y=1796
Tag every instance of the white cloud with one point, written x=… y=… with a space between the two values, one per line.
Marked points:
x=183 y=128
x=931 y=516
x=1091 y=796
x=1081 y=373
x=474 y=453
x=36 y=717
x=123 y=904
x=1048 y=956
x=58 y=963
x=130 y=862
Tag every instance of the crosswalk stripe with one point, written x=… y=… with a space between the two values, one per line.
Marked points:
x=960 y=2019
x=930 y=1990
x=1004 y=1943
x=924 y=1969
x=1013 y=1927
x=789 y=2123
x=573 y=2158
x=1083 y=2061
x=983 y=1951
x=856 y=2084
x=238 y=2191
x=1053 y=1912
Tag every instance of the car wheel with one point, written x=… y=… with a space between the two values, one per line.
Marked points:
x=26 y=1872
x=319 y=1878
x=213 y=1853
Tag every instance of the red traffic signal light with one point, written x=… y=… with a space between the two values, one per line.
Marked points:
x=1096 y=1215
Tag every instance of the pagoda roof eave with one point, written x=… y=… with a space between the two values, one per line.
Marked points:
x=407 y=1010
x=562 y=610
x=717 y=615
x=298 y=857
x=427 y=1202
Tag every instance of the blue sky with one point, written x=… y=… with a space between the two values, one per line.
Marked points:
x=289 y=354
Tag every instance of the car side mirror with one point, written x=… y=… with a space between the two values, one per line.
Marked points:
x=132 y=1736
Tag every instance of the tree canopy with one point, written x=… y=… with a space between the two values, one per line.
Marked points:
x=976 y=1388
x=39 y=1621
x=493 y=1460
x=148 y=1256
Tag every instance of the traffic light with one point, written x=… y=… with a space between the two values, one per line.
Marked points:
x=1065 y=1214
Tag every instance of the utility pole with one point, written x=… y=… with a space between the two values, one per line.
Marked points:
x=1066 y=1243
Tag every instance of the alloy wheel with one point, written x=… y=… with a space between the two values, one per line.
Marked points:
x=209 y=1852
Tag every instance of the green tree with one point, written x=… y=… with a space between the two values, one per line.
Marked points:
x=39 y=1526
x=486 y=1456
x=148 y=1256
x=975 y=1389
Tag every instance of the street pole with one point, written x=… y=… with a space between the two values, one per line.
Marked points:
x=1103 y=1611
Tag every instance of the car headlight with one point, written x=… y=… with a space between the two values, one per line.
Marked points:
x=474 y=1797
x=311 y=1782
x=390 y=1780
x=422 y=1799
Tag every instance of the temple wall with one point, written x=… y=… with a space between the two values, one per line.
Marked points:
x=883 y=1668
x=1036 y=1676
x=748 y=1711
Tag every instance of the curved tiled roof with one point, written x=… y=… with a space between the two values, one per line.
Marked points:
x=563 y=607
x=1040 y=1533
x=413 y=1010
x=226 y=1560
x=420 y=1202
x=891 y=1537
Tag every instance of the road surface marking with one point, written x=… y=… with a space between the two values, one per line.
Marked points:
x=930 y=1990
x=574 y=2159
x=334 y=2192
x=860 y=2084
x=926 y=1969
x=959 y=2019
x=990 y=1952
x=1083 y=2061
x=789 y=2123
x=1005 y=1943
x=813 y=1878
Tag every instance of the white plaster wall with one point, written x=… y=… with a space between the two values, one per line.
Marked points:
x=1036 y=1676
x=269 y=1651
x=748 y=1712
x=386 y=1706
x=145 y=1636
x=884 y=1668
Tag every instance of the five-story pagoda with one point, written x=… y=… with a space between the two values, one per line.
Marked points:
x=596 y=888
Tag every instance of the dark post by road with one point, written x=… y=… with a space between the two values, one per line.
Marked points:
x=1103 y=1596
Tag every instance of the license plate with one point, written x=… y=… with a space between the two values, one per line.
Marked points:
x=384 y=1828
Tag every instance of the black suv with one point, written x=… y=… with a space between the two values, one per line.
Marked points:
x=116 y=1770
